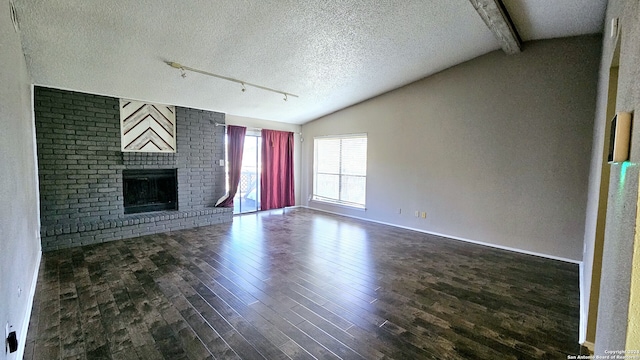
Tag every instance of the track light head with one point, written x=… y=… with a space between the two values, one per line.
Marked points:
x=174 y=64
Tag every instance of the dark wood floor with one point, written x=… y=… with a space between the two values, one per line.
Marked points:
x=301 y=284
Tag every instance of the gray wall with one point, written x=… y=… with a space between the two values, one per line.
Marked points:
x=495 y=150
x=19 y=227
x=621 y=220
x=80 y=170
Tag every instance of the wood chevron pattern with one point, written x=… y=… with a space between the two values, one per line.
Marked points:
x=147 y=127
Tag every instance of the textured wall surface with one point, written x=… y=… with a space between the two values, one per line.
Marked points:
x=611 y=328
x=80 y=170
x=617 y=282
x=494 y=150
x=19 y=223
x=201 y=180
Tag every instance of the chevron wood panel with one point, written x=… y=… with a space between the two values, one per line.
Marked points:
x=147 y=127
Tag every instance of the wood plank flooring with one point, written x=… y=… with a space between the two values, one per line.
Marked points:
x=300 y=284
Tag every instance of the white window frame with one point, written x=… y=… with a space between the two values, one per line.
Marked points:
x=323 y=199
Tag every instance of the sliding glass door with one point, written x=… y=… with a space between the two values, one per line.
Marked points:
x=247 y=198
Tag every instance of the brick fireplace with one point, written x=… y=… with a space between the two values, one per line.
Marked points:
x=82 y=171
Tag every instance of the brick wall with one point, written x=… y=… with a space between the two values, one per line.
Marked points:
x=80 y=170
x=200 y=144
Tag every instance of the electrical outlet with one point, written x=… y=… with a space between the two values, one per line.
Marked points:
x=417 y=213
x=424 y=215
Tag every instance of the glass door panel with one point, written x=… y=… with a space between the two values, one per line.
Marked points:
x=247 y=198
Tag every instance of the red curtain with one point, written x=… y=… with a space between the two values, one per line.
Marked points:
x=276 y=181
x=235 y=143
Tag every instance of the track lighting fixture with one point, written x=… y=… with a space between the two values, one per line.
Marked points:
x=183 y=72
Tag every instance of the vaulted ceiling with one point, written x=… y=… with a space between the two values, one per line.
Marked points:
x=331 y=54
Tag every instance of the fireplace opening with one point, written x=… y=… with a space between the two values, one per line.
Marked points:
x=149 y=190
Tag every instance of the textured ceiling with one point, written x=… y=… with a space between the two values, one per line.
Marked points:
x=331 y=53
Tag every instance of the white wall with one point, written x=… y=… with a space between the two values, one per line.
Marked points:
x=619 y=300
x=19 y=219
x=495 y=150
x=273 y=125
x=592 y=257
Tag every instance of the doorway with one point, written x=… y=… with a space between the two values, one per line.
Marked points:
x=247 y=198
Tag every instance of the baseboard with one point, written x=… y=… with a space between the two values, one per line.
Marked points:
x=501 y=247
x=582 y=329
x=22 y=341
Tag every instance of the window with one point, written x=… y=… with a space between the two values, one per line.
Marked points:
x=340 y=169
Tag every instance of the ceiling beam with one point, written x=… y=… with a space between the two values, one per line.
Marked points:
x=497 y=18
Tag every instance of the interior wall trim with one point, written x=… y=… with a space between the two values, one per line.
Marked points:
x=582 y=327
